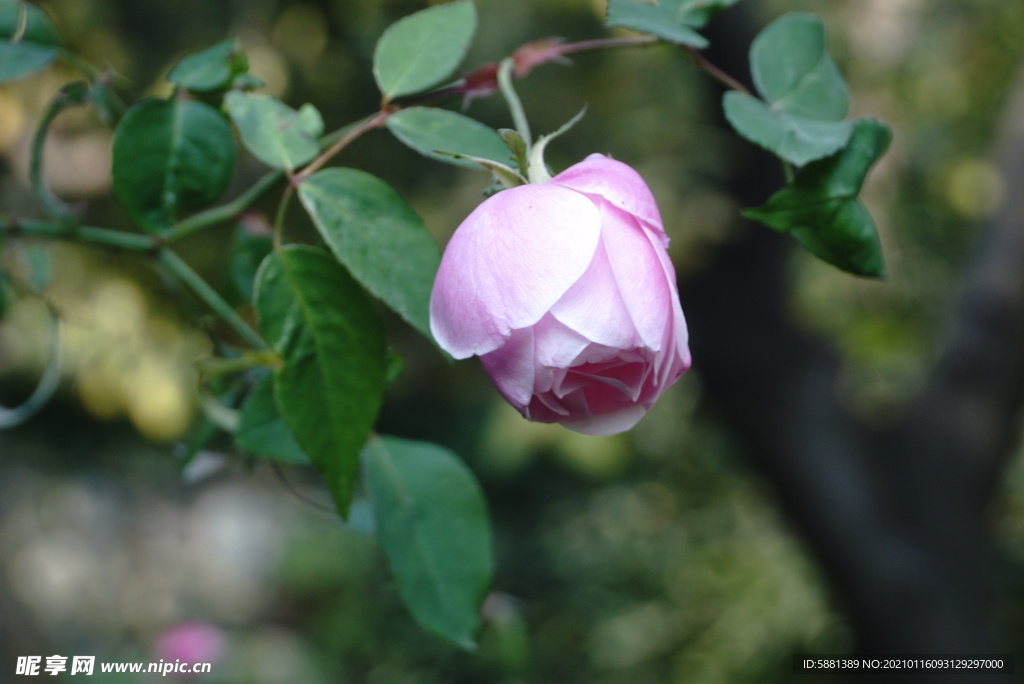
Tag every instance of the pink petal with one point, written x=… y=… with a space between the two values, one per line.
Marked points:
x=608 y=423
x=512 y=367
x=508 y=263
x=643 y=274
x=594 y=308
x=616 y=182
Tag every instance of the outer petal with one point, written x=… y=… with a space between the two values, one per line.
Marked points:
x=508 y=263
x=639 y=264
x=608 y=423
x=512 y=368
x=616 y=182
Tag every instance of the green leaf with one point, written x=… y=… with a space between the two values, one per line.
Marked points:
x=330 y=384
x=696 y=13
x=261 y=430
x=793 y=72
x=378 y=237
x=821 y=208
x=214 y=68
x=660 y=21
x=796 y=139
x=171 y=155
x=245 y=254
x=430 y=130
x=432 y=521
x=423 y=49
x=275 y=133
x=25 y=47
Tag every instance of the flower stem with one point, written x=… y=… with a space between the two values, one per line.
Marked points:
x=512 y=99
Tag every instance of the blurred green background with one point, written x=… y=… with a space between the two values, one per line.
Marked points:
x=653 y=556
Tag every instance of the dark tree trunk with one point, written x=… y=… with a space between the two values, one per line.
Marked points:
x=896 y=520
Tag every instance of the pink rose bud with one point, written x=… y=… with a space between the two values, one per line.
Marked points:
x=566 y=293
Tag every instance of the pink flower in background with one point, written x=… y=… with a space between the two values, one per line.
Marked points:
x=191 y=642
x=566 y=293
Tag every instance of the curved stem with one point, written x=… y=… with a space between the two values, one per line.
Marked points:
x=48 y=383
x=71 y=95
x=514 y=104
x=224 y=212
x=373 y=121
x=713 y=71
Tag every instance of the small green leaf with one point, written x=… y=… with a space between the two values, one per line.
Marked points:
x=794 y=138
x=793 y=72
x=821 y=208
x=28 y=41
x=432 y=522
x=423 y=49
x=696 y=13
x=171 y=155
x=330 y=385
x=657 y=20
x=262 y=432
x=517 y=146
x=430 y=130
x=378 y=237
x=214 y=68
x=275 y=133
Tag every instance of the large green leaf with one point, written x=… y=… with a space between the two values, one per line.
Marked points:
x=433 y=524
x=378 y=237
x=796 y=139
x=169 y=156
x=331 y=381
x=430 y=130
x=31 y=48
x=821 y=208
x=214 y=68
x=664 y=22
x=794 y=73
x=423 y=49
x=275 y=133
x=262 y=431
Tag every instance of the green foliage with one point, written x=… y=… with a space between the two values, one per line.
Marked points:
x=28 y=41
x=261 y=430
x=214 y=68
x=697 y=13
x=421 y=50
x=429 y=130
x=821 y=210
x=378 y=237
x=318 y=404
x=433 y=524
x=331 y=381
x=805 y=94
x=169 y=156
x=275 y=133
x=246 y=253
x=794 y=138
x=660 y=20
